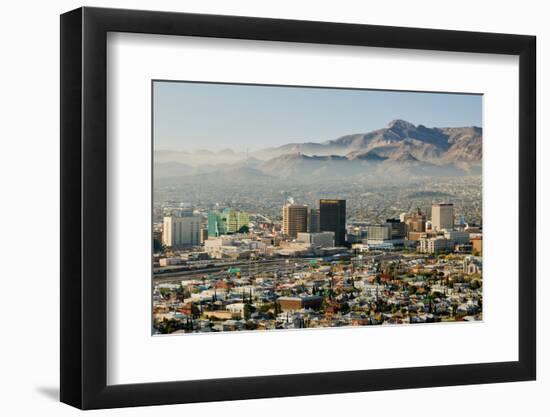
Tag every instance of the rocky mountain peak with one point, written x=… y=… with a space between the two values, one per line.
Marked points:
x=400 y=125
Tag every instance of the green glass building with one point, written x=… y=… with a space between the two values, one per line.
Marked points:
x=227 y=222
x=216 y=224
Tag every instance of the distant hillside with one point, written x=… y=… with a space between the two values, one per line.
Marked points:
x=400 y=149
x=455 y=144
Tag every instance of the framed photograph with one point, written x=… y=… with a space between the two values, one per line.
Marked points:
x=257 y=208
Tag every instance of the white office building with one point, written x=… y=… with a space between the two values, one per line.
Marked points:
x=181 y=231
x=443 y=217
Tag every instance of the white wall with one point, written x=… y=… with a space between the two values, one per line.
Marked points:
x=29 y=175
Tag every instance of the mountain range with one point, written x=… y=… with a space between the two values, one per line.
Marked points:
x=399 y=149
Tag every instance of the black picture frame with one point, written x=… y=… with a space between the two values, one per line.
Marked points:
x=84 y=207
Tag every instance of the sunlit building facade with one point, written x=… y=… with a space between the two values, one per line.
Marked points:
x=443 y=216
x=294 y=219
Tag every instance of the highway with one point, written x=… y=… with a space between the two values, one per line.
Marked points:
x=253 y=267
x=220 y=271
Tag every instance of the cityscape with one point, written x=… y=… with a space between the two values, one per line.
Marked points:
x=377 y=228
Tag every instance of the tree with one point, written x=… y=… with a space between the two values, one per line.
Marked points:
x=264 y=308
x=248 y=309
x=165 y=292
x=475 y=284
x=344 y=308
x=170 y=326
x=438 y=294
x=158 y=246
x=250 y=325
x=195 y=311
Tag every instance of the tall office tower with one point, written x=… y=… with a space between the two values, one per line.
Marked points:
x=181 y=231
x=398 y=228
x=443 y=216
x=333 y=219
x=294 y=219
x=313 y=225
x=416 y=222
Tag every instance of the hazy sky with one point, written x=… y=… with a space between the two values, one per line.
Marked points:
x=191 y=116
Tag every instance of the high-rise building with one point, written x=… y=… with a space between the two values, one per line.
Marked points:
x=313 y=225
x=227 y=222
x=398 y=228
x=181 y=231
x=216 y=224
x=243 y=219
x=333 y=219
x=416 y=222
x=443 y=217
x=235 y=220
x=294 y=219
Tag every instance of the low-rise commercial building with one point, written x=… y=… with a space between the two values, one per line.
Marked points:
x=457 y=237
x=435 y=245
x=321 y=239
x=298 y=303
